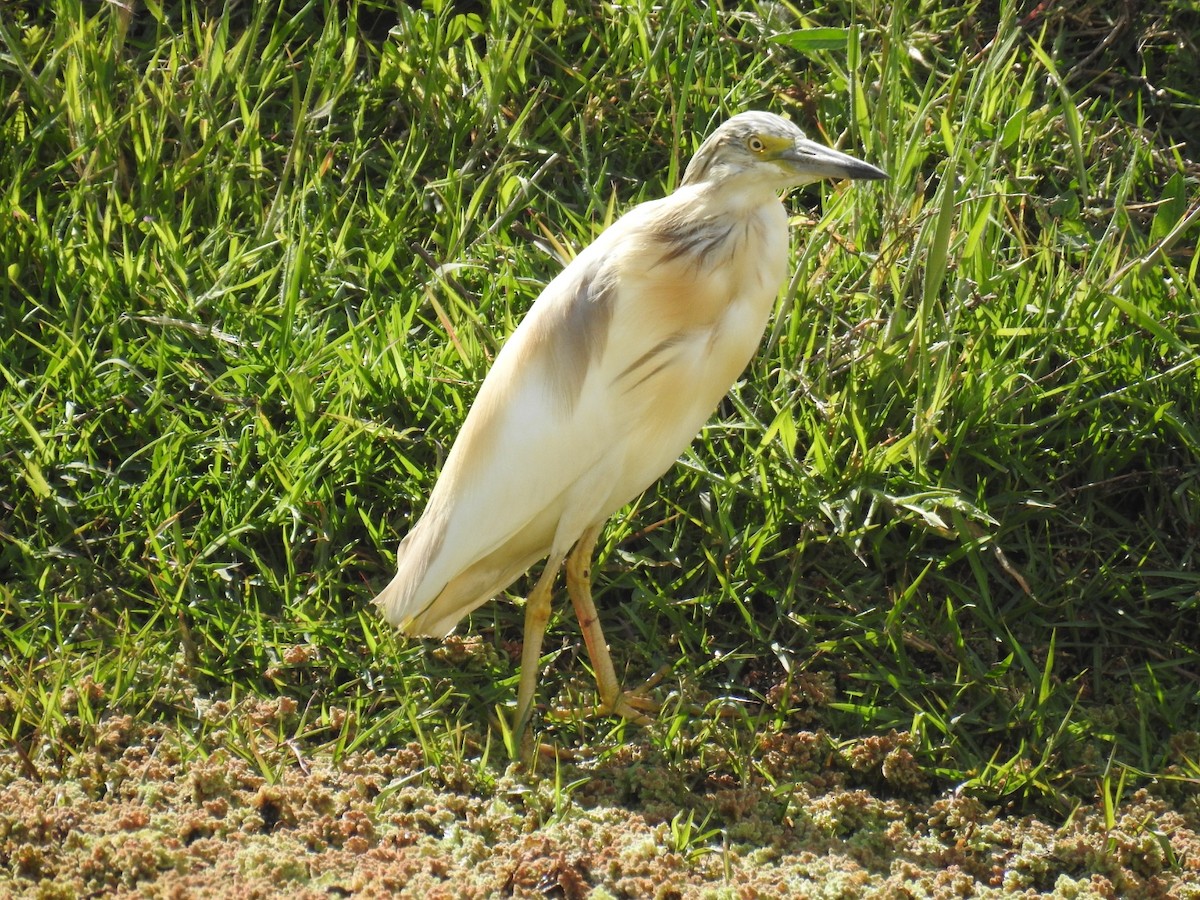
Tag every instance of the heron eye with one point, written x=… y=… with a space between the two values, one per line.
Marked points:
x=756 y=144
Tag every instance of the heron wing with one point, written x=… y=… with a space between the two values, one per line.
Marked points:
x=525 y=442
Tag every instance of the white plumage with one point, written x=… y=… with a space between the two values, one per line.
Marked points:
x=613 y=371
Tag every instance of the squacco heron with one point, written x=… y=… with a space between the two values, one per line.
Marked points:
x=610 y=375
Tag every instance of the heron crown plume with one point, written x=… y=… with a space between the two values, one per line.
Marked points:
x=739 y=143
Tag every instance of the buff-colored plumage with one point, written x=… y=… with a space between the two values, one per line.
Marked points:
x=611 y=374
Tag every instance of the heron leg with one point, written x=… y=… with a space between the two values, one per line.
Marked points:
x=613 y=700
x=537 y=614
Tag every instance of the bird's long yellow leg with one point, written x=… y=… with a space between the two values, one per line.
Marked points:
x=613 y=700
x=537 y=614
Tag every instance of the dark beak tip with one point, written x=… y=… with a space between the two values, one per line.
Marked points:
x=869 y=173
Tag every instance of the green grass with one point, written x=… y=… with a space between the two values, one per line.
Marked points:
x=257 y=264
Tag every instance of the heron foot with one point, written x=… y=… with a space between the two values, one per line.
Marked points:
x=632 y=706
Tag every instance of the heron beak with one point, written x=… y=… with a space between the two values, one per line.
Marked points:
x=811 y=161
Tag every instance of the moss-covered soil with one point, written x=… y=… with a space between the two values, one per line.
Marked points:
x=143 y=813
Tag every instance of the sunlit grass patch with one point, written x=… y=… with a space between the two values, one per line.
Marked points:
x=257 y=264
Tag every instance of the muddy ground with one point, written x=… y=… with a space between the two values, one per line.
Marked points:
x=149 y=812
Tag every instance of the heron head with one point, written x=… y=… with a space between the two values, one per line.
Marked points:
x=764 y=145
